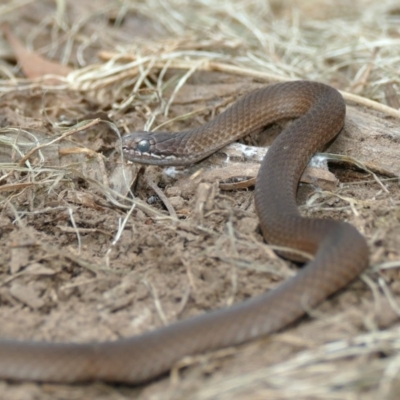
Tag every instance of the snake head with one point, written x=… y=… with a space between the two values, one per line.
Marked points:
x=138 y=145
x=148 y=148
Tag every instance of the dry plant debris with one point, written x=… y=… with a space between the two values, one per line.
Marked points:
x=81 y=259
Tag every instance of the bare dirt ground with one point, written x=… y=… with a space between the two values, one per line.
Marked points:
x=81 y=260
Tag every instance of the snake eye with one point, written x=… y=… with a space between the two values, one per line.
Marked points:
x=143 y=146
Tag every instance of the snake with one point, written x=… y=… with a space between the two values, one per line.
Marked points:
x=339 y=251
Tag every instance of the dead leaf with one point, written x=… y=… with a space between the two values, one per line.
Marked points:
x=33 y=65
x=26 y=295
x=19 y=259
x=39 y=269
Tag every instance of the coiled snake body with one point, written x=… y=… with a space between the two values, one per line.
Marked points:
x=340 y=251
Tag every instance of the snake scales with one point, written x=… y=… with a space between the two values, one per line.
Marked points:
x=340 y=251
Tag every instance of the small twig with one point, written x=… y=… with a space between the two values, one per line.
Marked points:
x=162 y=197
x=78 y=236
x=233 y=249
x=121 y=227
x=157 y=302
x=70 y=132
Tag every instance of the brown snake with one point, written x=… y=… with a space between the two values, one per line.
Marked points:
x=341 y=252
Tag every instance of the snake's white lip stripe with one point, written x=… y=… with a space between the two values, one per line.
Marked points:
x=139 y=155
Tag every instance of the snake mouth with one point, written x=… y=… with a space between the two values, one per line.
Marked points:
x=131 y=153
x=137 y=156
